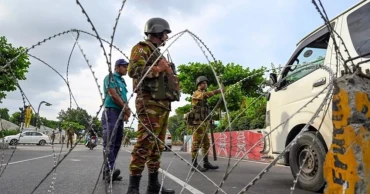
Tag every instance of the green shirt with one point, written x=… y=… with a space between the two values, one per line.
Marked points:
x=116 y=82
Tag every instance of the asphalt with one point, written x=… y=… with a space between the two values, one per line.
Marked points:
x=79 y=172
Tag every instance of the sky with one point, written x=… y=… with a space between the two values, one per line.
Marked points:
x=250 y=33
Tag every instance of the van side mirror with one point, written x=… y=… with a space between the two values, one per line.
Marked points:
x=273 y=79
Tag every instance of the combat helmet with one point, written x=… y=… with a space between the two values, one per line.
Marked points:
x=200 y=79
x=156 y=25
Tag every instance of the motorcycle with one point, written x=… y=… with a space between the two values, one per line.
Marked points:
x=92 y=142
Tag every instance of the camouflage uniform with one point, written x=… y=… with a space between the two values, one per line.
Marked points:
x=70 y=133
x=200 y=123
x=153 y=104
x=52 y=138
x=152 y=113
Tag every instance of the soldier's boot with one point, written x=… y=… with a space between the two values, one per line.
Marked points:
x=208 y=165
x=154 y=186
x=199 y=167
x=134 y=183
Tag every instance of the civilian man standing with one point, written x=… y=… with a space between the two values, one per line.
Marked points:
x=115 y=100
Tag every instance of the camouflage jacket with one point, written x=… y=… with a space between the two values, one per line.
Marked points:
x=137 y=68
x=70 y=132
x=200 y=105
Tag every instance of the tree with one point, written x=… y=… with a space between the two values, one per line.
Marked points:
x=19 y=66
x=77 y=115
x=4 y=114
x=176 y=126
x=81 y=117
x=15 y=118
x=242 y=87
x=130 y=132
x=98 y=127
x=76 y=126
x=48 y=123
x=251 y=115
x=231 y=74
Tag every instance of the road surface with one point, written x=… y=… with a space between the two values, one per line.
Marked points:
x=79 y=171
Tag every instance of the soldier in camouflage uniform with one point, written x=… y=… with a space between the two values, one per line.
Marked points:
x=70 y=134
x=200 y=112
x=153 y=104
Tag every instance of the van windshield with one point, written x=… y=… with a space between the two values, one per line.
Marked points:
x=309 y=57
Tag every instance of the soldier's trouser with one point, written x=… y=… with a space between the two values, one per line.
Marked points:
x=70 y=140
x=148 y=149
x=199 y=141
x=116 y=138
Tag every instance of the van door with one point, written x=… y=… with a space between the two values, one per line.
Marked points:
x=299 y=87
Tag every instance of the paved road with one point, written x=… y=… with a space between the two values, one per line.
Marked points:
x=79 y=171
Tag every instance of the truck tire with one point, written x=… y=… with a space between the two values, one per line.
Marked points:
x=311 y=177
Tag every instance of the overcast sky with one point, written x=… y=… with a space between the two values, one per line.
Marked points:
x=250 y=33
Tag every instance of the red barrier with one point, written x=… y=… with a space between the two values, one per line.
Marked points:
x=241 y=142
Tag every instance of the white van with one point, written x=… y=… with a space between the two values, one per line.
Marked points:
x=353 y=26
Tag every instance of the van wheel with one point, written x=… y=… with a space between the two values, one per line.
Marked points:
x=311 y=177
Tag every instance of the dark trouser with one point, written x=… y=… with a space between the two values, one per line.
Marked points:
x=116 y=138
x=70 y=140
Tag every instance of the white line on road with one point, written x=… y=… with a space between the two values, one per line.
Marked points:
x=20 y=161
x=178 y=181
x=252 y=161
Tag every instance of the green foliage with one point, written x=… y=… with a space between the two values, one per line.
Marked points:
x=253 y=116
x=75 y=126
x=242 y=87
x=184 y=109
x=77 y=115
x=80 y=117
x=176 y=126
x=48 y=123
x=15 y=118
x=97 y=126
x=5 y=132
x=4 y=114
x=19 y=66
x=231 y=74
x=131 y=133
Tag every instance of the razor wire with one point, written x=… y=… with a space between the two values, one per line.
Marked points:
x=305 y=128
x=3 y=145
x=109 y=62
x=229 y=89
x=252 y=104
x=25 y=97
x=295 y=181
x=69 y=60
x=323 y=67
x=332 y=32
x=110 y=76
x=15 y=147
